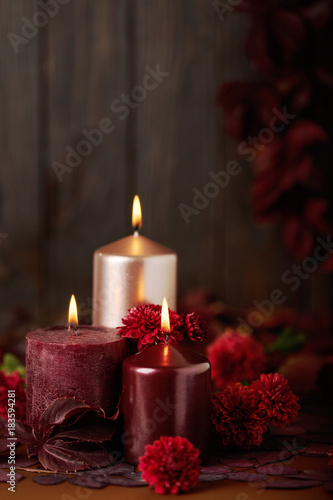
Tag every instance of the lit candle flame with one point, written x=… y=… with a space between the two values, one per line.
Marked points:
x=72 y=312
x=136 y=214
x=165 y=321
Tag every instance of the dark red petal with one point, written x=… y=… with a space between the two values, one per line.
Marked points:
x=292 y=484
x=49 y=479
x=4 y=477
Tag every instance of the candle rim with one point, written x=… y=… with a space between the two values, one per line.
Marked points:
x=122 y=248
x=140 y=359
x=44 y=335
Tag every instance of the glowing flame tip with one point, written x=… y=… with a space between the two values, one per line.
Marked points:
x=72 y=312
x=165 y=320
x=136 y=213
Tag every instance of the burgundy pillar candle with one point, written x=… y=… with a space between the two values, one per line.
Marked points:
x=166 y=392
x=85 y=365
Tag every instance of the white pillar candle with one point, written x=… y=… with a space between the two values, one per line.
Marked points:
x=131 y=272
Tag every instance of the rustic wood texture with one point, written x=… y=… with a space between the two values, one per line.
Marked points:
x=64 y=81
x=20 y=210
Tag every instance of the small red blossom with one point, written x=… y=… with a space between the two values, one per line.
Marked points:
x=237 y=417
x=144 y=323
x=12 y=381
x=170 y=465
x=235 y=357
x=196 y=327
x=278 y=401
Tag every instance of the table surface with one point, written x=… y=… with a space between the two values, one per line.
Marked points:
x=230 y=490
x=27 y=489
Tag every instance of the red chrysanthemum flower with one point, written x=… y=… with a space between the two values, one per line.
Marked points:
x=237 y=417
x=330 y=454
x=196 y=327
x=12 y=381
x=170 y=465
x=235 y=357
x=279 y=402
x=144 y=323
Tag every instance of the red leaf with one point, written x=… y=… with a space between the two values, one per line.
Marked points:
x=95 y=482
x=50 y=479
x=319 y=450
x=215 y=469
x=89 y=428
x=67 y=429
x=329 y=486
x=66 y=455
x=277 y=470
x=24 y=433
x=53 y=458
x=61 y=410
x=124 y=481
x=305 y=133
x=3 y=445
x=273 y=456
x=204 y=478
x=251 y=477
x=111 y=470
x=4 y=476
x=236 y=462
x=293 y=484
x=20 y=462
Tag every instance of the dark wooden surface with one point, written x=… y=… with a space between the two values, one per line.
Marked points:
x=63 y=81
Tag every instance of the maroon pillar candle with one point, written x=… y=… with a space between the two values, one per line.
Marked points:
x=86 y=366
x=166 y=392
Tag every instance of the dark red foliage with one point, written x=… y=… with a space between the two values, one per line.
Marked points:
x=284 y=187
x=290 y=45
x=70 y=436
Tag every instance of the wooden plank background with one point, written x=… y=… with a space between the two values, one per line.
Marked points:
x=64 y=80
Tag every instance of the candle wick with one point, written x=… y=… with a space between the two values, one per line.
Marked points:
x=166 y=339
x=72 y=327
x=136 y=231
